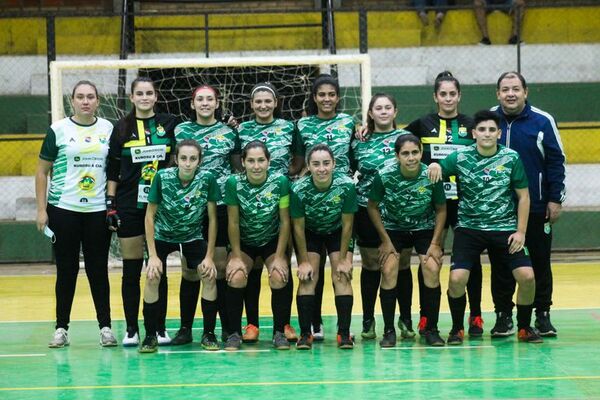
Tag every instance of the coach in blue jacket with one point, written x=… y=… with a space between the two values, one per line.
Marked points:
x=534 y=135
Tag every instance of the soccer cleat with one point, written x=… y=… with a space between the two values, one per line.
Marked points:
x=485 y=41
x=131 y=338
x=107 y=339
x=456 y=337
x=290 y=333
x=422 y=327
x=475 y=326
x=304 y=342
x=183 y=336
x=317 y=333
x=250 y=334
x=544 y=326
x=280 y=342
x=529 y=335
x=406 y=330
x=433 y=338
x=504 y=326
x=163 y=338
x=368 y=331
x=149 y=345
x=60 y=339
x=345 y=341
x=209 y=342
x=389 y=339
x=234 y=342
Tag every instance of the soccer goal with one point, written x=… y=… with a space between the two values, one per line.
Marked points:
x=232 y=76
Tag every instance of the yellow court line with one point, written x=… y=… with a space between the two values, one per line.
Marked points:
x=308 y=383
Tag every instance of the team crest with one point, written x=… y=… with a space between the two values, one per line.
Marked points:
x=87 y=183
x=148 y=172
x=462 y=131
x=160 y=131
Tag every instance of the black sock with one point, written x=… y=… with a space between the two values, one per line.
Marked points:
x=288 y=298
x=189 y=291
x=252 y=295
x=524 y=316
x=305 y=304
x=209 y=315
x=235 y=305
x=474 y=290
x=369 y=284
x=421 y=281
x=317 y=318
x=222 y=303
x=431 y=306
x=130 y=291
x=278 y=305
x=343 y=305
x=457 y=309
x=150 y=315
x=387 y=298
x=404 y=289
x=163 y=295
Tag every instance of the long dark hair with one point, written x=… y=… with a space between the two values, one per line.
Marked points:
x=323 y=79
x=377 y=96
x=126 y=125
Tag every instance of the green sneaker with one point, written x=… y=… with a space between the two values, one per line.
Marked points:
x=149 y=345
x=368 y=332
x=209 y=342
x=406 y=330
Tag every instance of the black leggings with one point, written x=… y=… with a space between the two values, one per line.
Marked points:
x=75 y=231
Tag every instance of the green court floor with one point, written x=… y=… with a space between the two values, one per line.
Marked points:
x=567 y=367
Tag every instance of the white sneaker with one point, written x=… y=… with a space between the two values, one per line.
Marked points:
x=131 y=340
x=319 y=335
x=60 y=339
x=107 y=339
x=163 y=338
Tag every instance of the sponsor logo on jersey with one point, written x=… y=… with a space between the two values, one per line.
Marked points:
x=88 y=139
x=102 y=139
x=83 y=200
x=77 y=158
x=87 y=183
x=148 y=172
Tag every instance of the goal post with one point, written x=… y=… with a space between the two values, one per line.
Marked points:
x=354 y=73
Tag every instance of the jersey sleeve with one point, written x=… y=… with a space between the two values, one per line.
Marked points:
x=301 y=144
x=296 y=205
x=296 y=149
x=113 y=168
x=518 y=176
x=414 y=128
x=231 y=198
x=377 y=190
x=448 y=164
x=350 y=205
x=180 y=132
x=237 y=143
x=284 y=187
x=214 y=192
x=439 y=196
x=554 y=162
x=155 y=195
x=49 y=150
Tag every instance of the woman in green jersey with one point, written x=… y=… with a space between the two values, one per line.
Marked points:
x=412 y=214
x=220 y=146
x=281 y=138
x=258 y=226
x=73 y=211
x=179 y=200
x=322 y=208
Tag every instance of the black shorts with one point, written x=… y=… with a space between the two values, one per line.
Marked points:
x=132 y=221
x=451 y=213
x=222 y=235
x=470 y=243
x=263 y=251
x=364 y=230
x=194 y=252
x=420 y=240
x=330 y=241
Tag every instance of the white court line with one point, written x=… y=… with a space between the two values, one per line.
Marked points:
x=214 y=352
x=21 y=355
x=438 y=348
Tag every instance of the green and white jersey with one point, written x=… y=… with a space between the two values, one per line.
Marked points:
x=336 y=133
x=371 y=156
x=258 y=206
x=322 y=209
x=280 y=137
x=181 y=209
x=408 y=204
x=218 y=143
x=486 y=187
x=79 y=157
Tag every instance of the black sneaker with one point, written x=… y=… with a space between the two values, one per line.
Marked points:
x=529 y=335
x=149 y=345
x=504 y=326
x=389 y=339
x=543 y=324
x=304 y=342
x=485 y=41
x=475 y=326
x=234 y=342
x=456 y=337
x=183 y=336
x=433 y=338
x=209 y=342
x=344 y=341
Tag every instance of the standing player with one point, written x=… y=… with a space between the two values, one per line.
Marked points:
x=325 y=125
x=219 y=147
x=413 y=215
x=258 y=226
x=368 y=157
x=141 y=145
x=179 y=200
x=441 y=133
x=73 y=211
x=281 y=138
x=533 y=134
x=490 y=175
x=322 y=209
